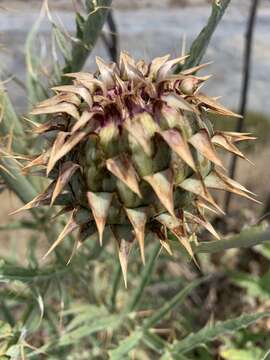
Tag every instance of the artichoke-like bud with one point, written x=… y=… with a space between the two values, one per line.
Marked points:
x=131 y=150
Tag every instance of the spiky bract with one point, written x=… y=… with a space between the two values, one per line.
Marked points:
x=131 y=149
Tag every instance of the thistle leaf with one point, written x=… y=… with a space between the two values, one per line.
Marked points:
x=200 y=44
x=211 y=332
x=177 y=102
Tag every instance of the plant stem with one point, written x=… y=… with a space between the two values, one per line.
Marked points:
x=146 y=274
x=97 y=14
x=16 y=181
x=112 y=43
x=200 y=44
x=115 y=287
x=247 y=238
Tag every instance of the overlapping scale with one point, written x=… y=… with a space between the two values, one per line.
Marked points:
x=133 y=151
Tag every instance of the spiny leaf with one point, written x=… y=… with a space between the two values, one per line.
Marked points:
x=211 y=332
x=62 y=146
x=197 y=187
x=177 y=102
x=54 y=109
x=88 y=33
x=222 y=141
x=219 y=181
x=200 y=44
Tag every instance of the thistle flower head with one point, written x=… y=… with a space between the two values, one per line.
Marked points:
x=132 y=151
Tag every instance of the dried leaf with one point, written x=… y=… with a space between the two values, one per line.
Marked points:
x=179 y=145
x=214 y=106
x=41 y=199
x=70 y=227
x=166 y=68
x=59 y=98
x=61 y=147
x=124 y=244
x=66 y=172
x=194 y=69
x=63 y=107
x=106 y=73
x=177 y=102
x=83 y=120
x=138 y=218
x=197 y=187
x=122 y=168
x=236 y=136
x=156 y=65
x=202 y=142
x=222 y=141
x=100 y=205
x=200 y=220
x=219 y=181
x=162 y=184
x=79 y=90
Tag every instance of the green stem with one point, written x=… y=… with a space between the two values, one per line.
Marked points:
x=16 y=181
x=146 y=275
x=251 y=237
x=88 y=33
x=116 y=281
x=7 y=314
x=200 y=44
x=168 y=306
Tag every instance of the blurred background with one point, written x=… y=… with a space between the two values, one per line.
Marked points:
x=241 y=277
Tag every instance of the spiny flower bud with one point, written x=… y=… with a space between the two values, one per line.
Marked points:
x=131 y=152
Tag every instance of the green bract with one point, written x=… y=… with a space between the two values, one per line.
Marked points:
x=131 y=149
